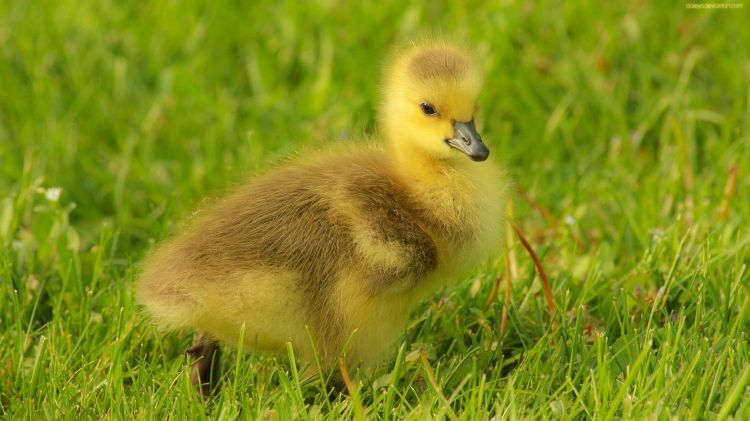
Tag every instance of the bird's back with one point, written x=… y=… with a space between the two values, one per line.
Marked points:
x=316 y=219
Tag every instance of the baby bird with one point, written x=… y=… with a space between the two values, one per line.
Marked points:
x=331 y=252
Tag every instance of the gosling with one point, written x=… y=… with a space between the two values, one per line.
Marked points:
x=332 y=251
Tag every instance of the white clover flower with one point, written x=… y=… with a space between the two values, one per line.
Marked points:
x=53 y=194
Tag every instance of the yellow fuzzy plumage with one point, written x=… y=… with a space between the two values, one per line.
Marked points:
x=342 y=243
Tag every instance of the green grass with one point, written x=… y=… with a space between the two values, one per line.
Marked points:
x=622 y=120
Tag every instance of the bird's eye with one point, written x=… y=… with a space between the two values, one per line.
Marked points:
x=428 y=109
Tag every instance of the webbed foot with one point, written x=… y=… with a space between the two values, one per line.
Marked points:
x=206 y=370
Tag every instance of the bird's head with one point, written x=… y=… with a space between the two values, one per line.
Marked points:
x=429 y=100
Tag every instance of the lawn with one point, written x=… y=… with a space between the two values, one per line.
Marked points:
x=625 y=125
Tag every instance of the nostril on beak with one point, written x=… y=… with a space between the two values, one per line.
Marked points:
x=466 y=140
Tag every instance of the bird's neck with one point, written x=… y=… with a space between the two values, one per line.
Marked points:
x=447 y=189
x=423 y=169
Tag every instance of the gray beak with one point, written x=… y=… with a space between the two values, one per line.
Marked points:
x=467 y=140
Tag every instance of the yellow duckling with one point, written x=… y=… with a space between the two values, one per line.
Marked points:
x=341 y=246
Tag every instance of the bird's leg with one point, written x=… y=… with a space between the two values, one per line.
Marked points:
x=205 y=373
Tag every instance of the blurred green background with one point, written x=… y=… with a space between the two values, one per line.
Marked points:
x=621 y=120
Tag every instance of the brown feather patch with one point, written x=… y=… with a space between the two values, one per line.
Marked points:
x=439 y=63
